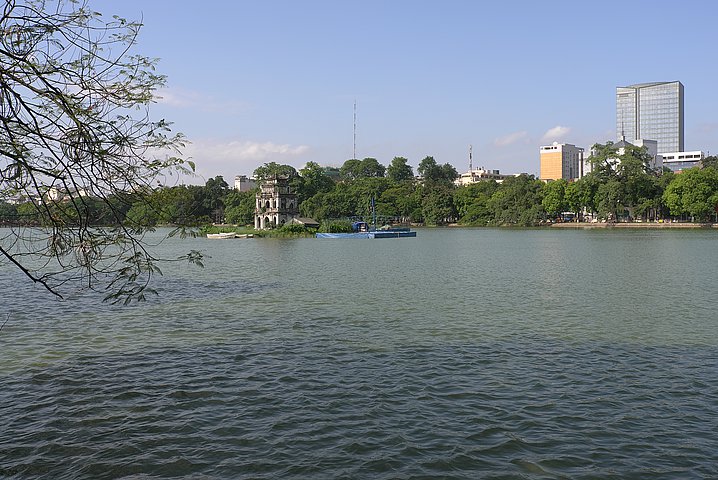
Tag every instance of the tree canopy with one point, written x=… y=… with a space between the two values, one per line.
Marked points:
x=75 y=134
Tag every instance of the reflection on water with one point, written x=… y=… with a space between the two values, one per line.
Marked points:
x=457 y=354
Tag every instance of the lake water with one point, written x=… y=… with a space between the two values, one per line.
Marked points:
x=462 y=353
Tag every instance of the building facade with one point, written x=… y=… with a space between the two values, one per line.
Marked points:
x=276 y=204
x=679 y=161
x=479 y=175
x=561 y=161
x=244 y=183
x=651 y=111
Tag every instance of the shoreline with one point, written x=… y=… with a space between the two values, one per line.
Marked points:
x=634 y=225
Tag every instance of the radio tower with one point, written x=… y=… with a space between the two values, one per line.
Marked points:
x=355 y=131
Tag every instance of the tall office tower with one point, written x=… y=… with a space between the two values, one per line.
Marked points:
x=561 y=160
x=651 y=111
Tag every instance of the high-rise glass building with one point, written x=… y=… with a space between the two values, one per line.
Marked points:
x=651 y=111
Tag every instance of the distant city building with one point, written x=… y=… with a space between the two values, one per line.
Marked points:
x=561 y=161
x=276 y=204
x=679 y=161
x=479 y=175
x=244 y=183
x=63 y=194
x=651 y=111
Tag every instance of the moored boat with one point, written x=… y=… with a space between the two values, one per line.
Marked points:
x=362 y=230
x=221 y=236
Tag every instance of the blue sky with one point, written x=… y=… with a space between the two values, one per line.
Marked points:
x=257 y=81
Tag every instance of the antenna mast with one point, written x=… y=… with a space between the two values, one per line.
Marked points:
x=355 y=131
x=471 y=163
x=471 y=159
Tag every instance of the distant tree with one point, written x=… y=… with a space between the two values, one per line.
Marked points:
x=314 y=180
x=518 y=201
x=370 y=167
x=179 y=205
x=340 y=202
x=8 y=212
x=215 y=189
x=710 y=161
x=399 y=170
x=428 y=169
x=694 y=192
x=402 y=200
x=272 y=169
x=554 y=197
x=239 y=207
x=472 y=202
x=621 y=180
x=74 y=119
x=610 y=201
x=603 y=160
x=435 y=173
x=572 y=197
x=367 y=168
x=350 y=170
x=438 y=206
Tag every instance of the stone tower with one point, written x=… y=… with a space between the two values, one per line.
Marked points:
x=276 y=204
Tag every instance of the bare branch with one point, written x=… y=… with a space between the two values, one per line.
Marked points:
x=76 y=139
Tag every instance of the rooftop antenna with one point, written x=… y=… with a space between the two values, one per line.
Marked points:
x=355 y=130
x=471 y=160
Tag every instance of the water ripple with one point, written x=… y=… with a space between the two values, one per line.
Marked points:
x=259 y=411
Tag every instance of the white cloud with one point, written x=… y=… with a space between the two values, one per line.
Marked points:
x=243 y=150
x=556 y=133
x=182 y=98
x=228 y=158
x=510 y=139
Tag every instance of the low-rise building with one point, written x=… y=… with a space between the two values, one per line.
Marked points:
x=244 y=183
x=679 y=161
x=479 y=175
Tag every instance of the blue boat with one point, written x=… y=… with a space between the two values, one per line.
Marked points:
x=362 y=230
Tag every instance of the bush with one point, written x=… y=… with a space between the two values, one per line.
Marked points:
x=293 y=228
x=335 y=226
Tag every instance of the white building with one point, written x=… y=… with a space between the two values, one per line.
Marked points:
x=678 y=161
x=244 y=183
x=478 y=175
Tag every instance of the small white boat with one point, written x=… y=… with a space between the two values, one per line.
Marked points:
x=221 y=236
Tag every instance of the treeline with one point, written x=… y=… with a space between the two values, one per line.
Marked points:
x=620 y=187
x=191 y=205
